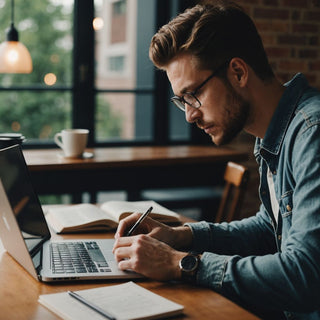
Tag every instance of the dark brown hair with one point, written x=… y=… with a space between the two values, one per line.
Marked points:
x=213 y=33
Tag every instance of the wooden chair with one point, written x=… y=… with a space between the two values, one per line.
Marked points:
x=224 y=201
x=236 y=178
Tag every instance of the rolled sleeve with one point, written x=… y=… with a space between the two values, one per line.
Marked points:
x=202 y=235
x=212 y=266
x=212 y=270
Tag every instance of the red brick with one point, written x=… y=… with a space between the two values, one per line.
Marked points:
x=312 y=15
x=247 y=10
x=284 y=76
x=273 y=65
x=277 y=52
x=268 y=39
x=314 y=66
x=291 y=39
x=274 y=3
x=290 y=31
x=293 y=65
x=311 y=78
x=295 y=15
x=295 y=3
x=305 y=27
x=316 y=3
x=271 y=13
x=305 y=53
x=273 y=25
x=313 y=41
x=247 y=2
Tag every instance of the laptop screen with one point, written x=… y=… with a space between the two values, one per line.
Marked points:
x=24 y=202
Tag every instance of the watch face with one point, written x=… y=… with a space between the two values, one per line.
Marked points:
x=189 y=263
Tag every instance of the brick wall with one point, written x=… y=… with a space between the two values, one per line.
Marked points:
x=290 y=31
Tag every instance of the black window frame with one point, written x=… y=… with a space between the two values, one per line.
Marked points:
x=83 y=89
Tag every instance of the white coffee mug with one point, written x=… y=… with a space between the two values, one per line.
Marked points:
x=72 y=141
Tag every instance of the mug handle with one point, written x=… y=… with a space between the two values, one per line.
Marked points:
x=58 y=139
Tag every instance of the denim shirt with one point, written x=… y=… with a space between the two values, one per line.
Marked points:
x=256 y=262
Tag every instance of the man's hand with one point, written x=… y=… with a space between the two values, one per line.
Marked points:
x=177 y=237
x=151 y=251
x=148 y=256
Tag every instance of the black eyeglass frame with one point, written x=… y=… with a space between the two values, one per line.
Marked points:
x=179 y=101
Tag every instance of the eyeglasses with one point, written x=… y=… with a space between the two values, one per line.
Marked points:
x=190 y=98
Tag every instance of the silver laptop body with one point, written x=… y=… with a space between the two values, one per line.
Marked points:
x=25 y=234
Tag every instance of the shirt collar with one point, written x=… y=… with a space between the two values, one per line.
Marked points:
x=283 y=114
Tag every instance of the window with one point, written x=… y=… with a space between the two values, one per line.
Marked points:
x=39 y=104
x=118 y=89
x=118 y=27
x=117 y=64
x=119 y=7
x=91 y=70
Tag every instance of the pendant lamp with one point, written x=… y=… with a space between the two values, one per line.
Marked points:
x=14 y=56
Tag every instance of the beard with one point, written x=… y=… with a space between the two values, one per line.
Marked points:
x=235 y=117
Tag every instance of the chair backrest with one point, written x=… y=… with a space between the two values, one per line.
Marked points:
x=236 y=177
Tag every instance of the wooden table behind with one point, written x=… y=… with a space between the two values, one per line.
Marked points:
x=129 y=168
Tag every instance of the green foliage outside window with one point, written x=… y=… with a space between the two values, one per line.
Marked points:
x=45 y=27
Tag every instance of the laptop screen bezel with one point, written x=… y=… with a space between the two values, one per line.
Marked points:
x=37 y=248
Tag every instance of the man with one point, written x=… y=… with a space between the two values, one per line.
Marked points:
x=269 y=263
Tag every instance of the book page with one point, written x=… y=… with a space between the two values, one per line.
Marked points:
x=76 y=215
x=125 y=301
x=121 y=209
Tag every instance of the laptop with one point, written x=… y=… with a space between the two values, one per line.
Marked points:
x=25 y=234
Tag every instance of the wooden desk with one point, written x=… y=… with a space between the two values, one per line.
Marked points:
x=129 y=168
x=19 y=294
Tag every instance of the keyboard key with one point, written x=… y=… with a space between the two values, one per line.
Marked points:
x=72 y=257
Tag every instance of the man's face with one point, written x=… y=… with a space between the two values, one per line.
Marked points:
x=223 y=112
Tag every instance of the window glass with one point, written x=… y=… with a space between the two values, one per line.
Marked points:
x=40 y=104
x=119 y=8
x=117 y=64
x=45 y=28
x=124 y=74
x=116 y=116
x=115 y=44
x=179 y=128
x=112 y=113
x=119 y=18
x=37 y=115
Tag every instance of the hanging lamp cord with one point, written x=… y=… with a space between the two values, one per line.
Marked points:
x=12 y=12
x=12 y=33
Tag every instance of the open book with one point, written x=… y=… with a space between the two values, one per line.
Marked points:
x=124 y=301
x=88 y=217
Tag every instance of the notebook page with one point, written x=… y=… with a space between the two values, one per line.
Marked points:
x=124 y=301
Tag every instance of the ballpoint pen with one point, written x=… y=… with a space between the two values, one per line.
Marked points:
x=91 y=305
x=138 y=222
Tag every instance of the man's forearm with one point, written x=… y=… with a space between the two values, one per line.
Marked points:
x=183 y=238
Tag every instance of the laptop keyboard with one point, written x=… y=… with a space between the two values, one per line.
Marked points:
x=77 y=257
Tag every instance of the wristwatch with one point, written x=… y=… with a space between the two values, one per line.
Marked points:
x=189 y=265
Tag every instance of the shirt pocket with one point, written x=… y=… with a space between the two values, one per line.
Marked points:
x=286 y=207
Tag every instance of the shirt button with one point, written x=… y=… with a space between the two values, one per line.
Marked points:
x=274 y=172
x=288 y=207
x=279 y=237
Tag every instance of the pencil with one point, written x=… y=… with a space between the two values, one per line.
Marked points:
x=91 y=305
